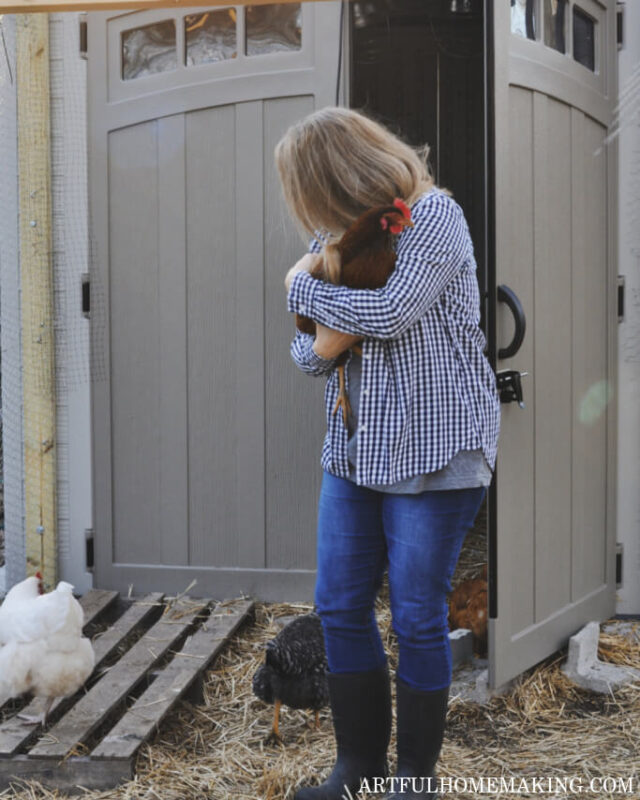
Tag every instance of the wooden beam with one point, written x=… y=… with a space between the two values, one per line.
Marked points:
x=36 y=279
x=21 y=6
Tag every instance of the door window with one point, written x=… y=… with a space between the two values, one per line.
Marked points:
x=148 y=50
x=584 y=39
x=524 y=18
x=210 y=36
x=273 y=28
x=555 y=24
x=562 y=25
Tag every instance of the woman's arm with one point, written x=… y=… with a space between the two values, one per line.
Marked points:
x=305 y=264
x=330 y=343
x=428 y=257
x=306 y=358
x=316 y=356
x=302 y=347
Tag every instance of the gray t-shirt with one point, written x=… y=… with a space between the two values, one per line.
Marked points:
x=466 y=470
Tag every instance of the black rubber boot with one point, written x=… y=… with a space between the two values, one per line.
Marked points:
x=421 y=718
x=361 y=710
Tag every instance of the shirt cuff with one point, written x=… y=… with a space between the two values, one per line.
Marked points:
x=314 y=360
x=301 y=291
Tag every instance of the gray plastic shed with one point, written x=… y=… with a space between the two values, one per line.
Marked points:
x=206 y=439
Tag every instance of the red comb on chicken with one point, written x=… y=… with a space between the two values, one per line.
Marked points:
x=406 y=211
x=363 y=258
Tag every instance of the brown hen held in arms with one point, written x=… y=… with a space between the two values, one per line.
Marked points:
x=363 y=258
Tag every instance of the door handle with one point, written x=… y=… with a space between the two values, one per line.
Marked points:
x=508 y=296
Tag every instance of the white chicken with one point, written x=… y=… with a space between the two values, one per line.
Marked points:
x=42 y=649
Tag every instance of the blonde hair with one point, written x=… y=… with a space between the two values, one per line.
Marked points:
x=336 y=163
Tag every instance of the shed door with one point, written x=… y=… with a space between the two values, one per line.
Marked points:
x=198 y=410
x=554 y=77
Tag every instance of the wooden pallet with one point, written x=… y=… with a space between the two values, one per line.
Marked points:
x=151 y=655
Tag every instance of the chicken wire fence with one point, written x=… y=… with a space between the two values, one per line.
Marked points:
x=9 y=299
x=71 y=257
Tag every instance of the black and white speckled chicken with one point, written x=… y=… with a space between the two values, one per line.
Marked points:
x=295 y=670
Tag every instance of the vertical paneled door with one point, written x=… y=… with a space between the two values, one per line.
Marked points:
x=554 y=184
x=206 y=437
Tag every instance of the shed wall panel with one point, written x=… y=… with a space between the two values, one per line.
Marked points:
x=517 y=431
x=170 y=542
x=211 y=314
x=591 y=390
x=249 y=334
x=552 y=363
x=135 y=339
x=294 y=411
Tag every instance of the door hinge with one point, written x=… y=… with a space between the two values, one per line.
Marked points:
x=86 y=294
x=620 y=25
x=82 y=22
x=620 y=298
x=89 y=551
x=619 y=559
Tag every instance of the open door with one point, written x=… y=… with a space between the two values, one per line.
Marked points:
x=552 y=83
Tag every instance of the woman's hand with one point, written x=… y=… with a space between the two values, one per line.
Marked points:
x=329 y=343
x=307 y=262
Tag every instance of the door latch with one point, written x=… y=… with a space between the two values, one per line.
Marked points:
x=510 y=386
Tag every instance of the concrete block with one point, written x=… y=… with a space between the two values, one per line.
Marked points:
x=471 y=683
x=461 y=641
x=585 y=668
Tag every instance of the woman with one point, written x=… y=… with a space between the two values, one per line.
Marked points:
x=402 y=483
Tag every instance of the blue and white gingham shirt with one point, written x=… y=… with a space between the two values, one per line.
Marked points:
x=427 y=389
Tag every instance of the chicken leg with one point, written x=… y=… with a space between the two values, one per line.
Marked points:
x=47 y=709
x=38 y=719
x=274 y=736
x=343 y=399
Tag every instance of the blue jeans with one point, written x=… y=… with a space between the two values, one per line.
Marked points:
x=419 y=537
